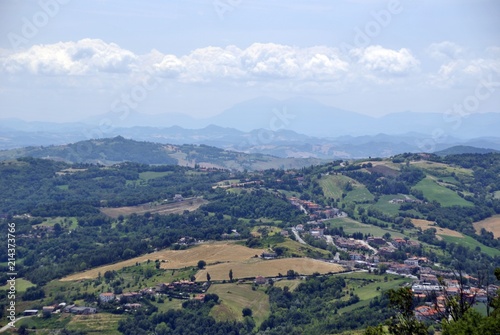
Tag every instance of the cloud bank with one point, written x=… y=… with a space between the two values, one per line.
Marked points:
x=259 y=62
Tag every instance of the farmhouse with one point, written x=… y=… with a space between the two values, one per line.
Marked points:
x=47 y=309
x=399 y=242
x=269 y=255
x=132 y=306
x=412 y=261
x=259 y=280
x=356 y=257
x=200 y=297
x=83 y=310
x=106 y=297
x=317 y=232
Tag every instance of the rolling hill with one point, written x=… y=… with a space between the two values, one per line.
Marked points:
x=110 y=151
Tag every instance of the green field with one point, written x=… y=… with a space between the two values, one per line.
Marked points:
x=385 y=206
x=100 y=323
x=295 y=249
x=469 y=242
x=359 y=194
x=21 y=285
x=292 y=284
x=440 y=169
x=446 y=197
x=152 y=174
x=351 y=226
x=368 y=286
x=334 y=185
x=168 y=304
x=235 y=297
x=68 y=222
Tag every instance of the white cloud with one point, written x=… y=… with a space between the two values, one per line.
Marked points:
x=386 y=62
x=256 y=63
x=445 y=51
x=461 y=71
x=85 y=56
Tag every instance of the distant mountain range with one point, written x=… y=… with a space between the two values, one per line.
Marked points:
x=291 y=128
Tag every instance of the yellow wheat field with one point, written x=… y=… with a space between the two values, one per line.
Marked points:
x=267 y=268
x=425 y=224
x=176 y=259
x=490 y=224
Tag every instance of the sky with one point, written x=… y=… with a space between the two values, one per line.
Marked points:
x=67 y=60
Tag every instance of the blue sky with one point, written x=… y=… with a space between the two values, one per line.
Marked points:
x=64 y=60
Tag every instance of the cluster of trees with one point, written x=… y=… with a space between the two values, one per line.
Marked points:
x=378 y=183
x=312 y=308
x=255 y=204
x=38 y=187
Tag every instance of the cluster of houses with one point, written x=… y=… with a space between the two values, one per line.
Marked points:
x=182 y=289
x=314 y=210
x=429 y=287
x=238 y=185
x=406 y=200
x=62 y=307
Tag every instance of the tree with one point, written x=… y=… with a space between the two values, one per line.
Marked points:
x=378 y=330
x=162 y=329
x=247 y=312
x=201 y=264
x=231 y=275
x=23 y=330
x=208 y=276
x=405 y=322
x=471 y=322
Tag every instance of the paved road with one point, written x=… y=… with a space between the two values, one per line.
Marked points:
x=7 y=326
x=375 y=251
x=297 y=236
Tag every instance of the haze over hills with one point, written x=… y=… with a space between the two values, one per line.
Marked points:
x=291 y=128
x=115 y=150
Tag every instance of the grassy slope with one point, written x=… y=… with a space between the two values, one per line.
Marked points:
x=351 y=226
x=469 y=242
x=441 y=194
x=21 y=285
x=101 y=323
x=235 y=297
x=367 y=291
x=333 y=187
x=491 y=224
